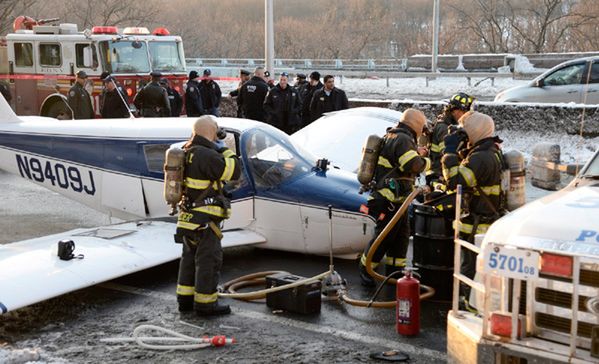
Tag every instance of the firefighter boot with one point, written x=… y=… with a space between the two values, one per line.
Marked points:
x=211 y=309
x=366 y=279
x=185 y=303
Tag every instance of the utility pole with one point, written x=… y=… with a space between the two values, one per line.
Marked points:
x=436 y=24
x=269 y=38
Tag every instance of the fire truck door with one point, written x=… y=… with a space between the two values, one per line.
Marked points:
x=25 y=97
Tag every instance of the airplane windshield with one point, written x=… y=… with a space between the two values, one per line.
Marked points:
x=593 y=169
x=273 y=158
x=125 y=56
x=166 y=56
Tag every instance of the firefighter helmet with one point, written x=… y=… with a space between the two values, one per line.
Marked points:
x=460 y=101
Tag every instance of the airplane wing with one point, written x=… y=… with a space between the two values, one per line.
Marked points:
x=31 y=272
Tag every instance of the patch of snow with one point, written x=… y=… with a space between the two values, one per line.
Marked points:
x=19 y=356
x=523 y=65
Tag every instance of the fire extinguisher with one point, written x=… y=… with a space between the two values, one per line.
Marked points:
x=407 y=320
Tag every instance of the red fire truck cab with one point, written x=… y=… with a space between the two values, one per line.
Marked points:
x=42 y=62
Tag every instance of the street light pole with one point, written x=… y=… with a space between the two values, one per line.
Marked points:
x=269 y=38
x=436 y=24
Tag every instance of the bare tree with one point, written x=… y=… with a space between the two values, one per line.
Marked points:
x=9 y=9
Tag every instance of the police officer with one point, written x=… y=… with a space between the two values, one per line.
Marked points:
x=79 y=99
x=307 y=93
x=252 y=94
x=400 y=161
x=203 y=207
x=174 y=98
x=478 y=170
x=152 y=100
x=282 y=106
x=327 y=99
x=211 y=94
x=458 y=105
x=244 y=76
x=114 y=104
x=193 y=98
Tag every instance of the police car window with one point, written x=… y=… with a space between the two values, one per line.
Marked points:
x=125 y=57
x=23 y=54
x=80 y=50
x=50 y=55
x=595 y=72
x=166 y=56
x=569 y=75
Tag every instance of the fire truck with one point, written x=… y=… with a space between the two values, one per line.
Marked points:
x=40 y=60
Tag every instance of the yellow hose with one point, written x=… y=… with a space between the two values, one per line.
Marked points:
x=429 y=291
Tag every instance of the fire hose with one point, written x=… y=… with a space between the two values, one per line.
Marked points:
x=429 y=291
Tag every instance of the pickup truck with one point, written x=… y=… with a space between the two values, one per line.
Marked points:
x=536 y=289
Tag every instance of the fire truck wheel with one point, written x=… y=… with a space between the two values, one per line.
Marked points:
x=59 y=111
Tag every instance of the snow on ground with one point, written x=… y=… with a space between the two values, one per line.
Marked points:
x=441 y=88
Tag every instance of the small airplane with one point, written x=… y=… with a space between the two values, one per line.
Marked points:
x=115 y=166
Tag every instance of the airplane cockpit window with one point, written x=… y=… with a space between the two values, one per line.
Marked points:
x=273 y=159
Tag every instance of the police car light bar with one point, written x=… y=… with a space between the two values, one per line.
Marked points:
x=136 y=31
x=161 y=31
x=104 y=30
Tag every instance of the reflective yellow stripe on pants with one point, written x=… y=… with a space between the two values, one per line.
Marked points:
x=363 y=262
x=185 y=290
x=205 y=298
x=395 y=262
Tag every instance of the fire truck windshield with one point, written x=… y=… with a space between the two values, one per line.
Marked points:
x=166 y=56
x=125 y=56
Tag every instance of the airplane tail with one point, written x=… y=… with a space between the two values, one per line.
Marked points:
x=7 y=115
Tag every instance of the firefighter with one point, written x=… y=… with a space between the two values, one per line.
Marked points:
x=79 y=100
x=473 y=159
x=244 y=76
x=327 y=99
x=152 y=100
x=193 y=98
x=203 y=207
x=252 y=94
x=282 y=106
x=113 y=102
x=458 y=105
x=400 y=161
x=174 y=98
x=211 y=94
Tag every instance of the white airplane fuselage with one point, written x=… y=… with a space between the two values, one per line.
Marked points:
x=115 y=166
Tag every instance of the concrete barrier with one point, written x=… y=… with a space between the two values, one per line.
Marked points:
x=518 y=117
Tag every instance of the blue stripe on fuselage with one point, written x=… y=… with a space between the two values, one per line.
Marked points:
x=122 y=155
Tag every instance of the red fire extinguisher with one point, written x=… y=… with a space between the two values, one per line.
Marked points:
x=407 y=319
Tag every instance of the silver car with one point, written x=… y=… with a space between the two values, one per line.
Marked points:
x=572 y=81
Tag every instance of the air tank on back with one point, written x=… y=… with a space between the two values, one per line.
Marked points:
x=516 y=191
x=368 y=162
x=173 y=177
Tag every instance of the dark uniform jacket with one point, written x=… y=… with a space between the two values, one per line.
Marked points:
x=251 y=98
x=211 y=95
x=193 y=99
x=437 y=146
x=5 y=91
x=321 y=103
x=398 y=165
x=481 y=167
x=175 y=101
x=152 y=100
x=112 y=104
x=282 y=107
x=306 y=94
x=206 y=169
x=80 y=102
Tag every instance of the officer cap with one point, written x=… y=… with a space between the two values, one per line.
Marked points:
x=301 y=76
x=163 y=81
x=207 y=72
x=477 y=125
x=81 y=74
x=244 y=72
x=108 y=79
x=104 y=74
x=156 y=74
x=193 y=75
x=285 y=74
x=315 y=75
